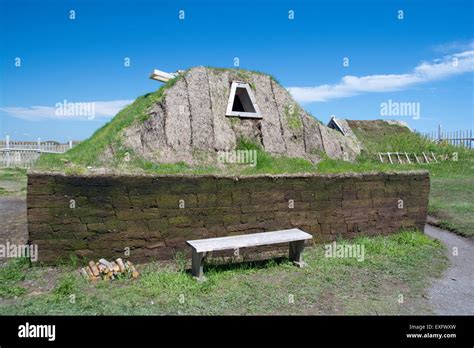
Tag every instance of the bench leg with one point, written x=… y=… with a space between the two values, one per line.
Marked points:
x=296 y=253
x=197 y=265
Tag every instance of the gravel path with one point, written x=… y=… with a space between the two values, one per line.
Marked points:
x=453 y=294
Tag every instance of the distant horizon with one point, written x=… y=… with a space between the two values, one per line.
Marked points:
x=393 y=60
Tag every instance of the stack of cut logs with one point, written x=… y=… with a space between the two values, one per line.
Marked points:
x=108 y=270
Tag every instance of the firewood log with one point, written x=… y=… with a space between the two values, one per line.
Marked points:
x=106 y=264
x=116 y=268
x=106 y=270
x=94 y=269
x=84 y=273
x=89 y=272
x=120 y=264
x=102 y=268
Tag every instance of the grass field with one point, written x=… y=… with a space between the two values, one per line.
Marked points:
x=452 y=202
x=452 y=181
x=391 y=280
x=12 y=181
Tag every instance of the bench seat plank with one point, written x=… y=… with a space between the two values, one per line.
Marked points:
x=248 y=240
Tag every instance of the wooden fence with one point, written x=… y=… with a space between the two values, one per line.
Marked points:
x=25 y=153
x=407 y=158
x=457 y=138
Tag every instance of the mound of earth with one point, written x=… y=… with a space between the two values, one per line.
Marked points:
x=378 y=127
x=201 y=113
x=188 y=123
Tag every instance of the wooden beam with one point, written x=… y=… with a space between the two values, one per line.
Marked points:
x=399 y=160
x=161 y=76
x=416 y=157
x=426 y=158
x=408 y=158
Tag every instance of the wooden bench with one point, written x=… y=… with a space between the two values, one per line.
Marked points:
x=295 y=237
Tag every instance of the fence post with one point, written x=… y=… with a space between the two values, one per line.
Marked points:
x=7 y=153
x=439 y=133
x=70 y=144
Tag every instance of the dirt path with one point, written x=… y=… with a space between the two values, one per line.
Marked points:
x=453 y=294
x=13 y=226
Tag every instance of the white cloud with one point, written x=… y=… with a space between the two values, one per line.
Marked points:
x=453 y=46
x=80 y=110
x=349 y=86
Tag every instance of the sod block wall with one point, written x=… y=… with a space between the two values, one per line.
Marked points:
x=153 y=216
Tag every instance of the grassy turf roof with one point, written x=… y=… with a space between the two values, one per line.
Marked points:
x=89 y=153
x=376 y=136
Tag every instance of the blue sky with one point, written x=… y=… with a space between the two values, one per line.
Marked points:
x=409 y=60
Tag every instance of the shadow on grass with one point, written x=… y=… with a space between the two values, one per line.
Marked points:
x=218 y=265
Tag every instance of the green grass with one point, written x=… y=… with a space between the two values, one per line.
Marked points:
x=13 y=174
x=402 y=263
x=12 y=181
x=67 y=285
x=89 y=152
x=382 y=139
x=292 y=114
x=452 y=201
x=11 y=275
x=268 y=164
x=171 y=168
